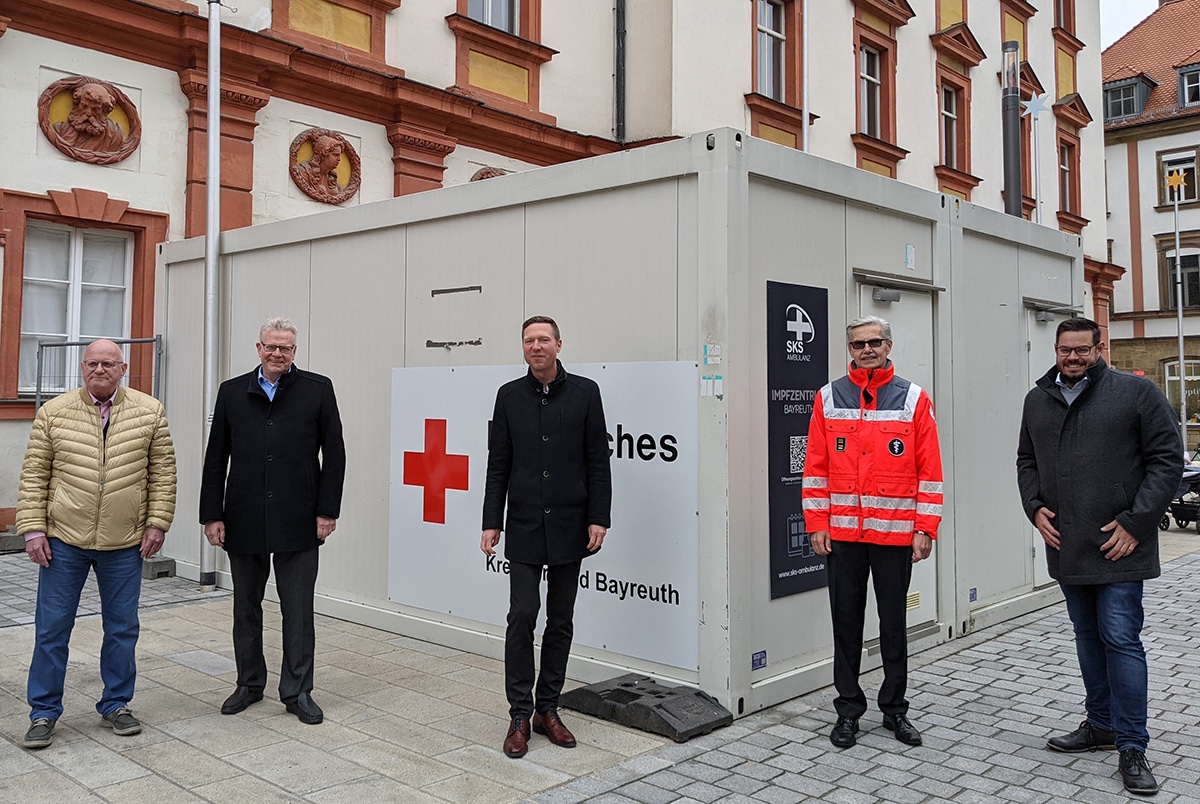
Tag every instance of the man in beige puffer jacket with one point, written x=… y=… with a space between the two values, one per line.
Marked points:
x=97 y=491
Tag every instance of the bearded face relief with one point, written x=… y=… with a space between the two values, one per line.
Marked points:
x=325 y=166
x=89 y=120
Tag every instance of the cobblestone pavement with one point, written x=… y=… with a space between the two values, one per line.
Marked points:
x=985 y=705
x=18 y=591
x=415 y=723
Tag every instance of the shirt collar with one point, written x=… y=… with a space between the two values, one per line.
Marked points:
x=109 y=401
x=1084 y=382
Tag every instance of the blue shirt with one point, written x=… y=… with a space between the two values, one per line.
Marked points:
x=268 y=386
x=1070 y=394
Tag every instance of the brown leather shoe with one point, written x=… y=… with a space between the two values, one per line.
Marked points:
x=551 y=725
x=516 y=743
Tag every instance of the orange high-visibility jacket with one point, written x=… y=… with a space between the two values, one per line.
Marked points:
x=873 y=470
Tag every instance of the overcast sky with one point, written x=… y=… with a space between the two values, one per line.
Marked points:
x=1118 y=16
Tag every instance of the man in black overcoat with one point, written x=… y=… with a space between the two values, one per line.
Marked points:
x=272 y=486
x=548 y=457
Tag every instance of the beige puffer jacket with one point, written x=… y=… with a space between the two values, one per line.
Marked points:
x=92 y=491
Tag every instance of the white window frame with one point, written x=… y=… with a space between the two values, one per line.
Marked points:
x=1171 y=376
x=486 y=14
x=1189 y=88
x=75 y=286
x=1191 y=266
x=770 y=67
x=870 y=91
x=1066 y=202
x=950 y=133
x=1184 y=161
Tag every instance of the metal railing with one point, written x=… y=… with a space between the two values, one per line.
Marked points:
x=57 y=373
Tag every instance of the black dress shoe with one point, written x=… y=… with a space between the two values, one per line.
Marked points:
x=843 y=732
x=1135 y=773
x=1085 y=738
x=241 y=698
x=905 y=732
x=305 y=708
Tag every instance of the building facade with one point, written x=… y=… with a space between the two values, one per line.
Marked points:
x=343 y=102
x=1152 y=130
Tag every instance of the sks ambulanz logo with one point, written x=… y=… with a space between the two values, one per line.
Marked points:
x=800 y=325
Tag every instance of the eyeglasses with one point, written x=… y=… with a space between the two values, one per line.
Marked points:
x=874 y=343
x=272 y=348
x=1081 y=351
x=107 y=365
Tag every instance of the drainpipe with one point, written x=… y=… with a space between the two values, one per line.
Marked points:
x=804 y=40
x=619 y=72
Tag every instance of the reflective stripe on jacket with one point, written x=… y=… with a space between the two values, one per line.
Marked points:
x=873 y=471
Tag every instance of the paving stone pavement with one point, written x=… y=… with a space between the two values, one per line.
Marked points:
x=985 y=704
x=409 y=721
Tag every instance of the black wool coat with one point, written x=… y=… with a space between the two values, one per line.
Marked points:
x=548 y=458
x=272 y=467
x=1114 y=453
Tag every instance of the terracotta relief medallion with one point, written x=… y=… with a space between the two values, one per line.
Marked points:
x=89 y=120
x=488 y=172
x=325 y=166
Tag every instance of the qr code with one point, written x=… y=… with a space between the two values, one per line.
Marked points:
x=799 y=453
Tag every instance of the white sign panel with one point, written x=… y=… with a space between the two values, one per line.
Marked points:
x=639 y=595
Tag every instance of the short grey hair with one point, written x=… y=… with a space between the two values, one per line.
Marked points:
x=870 y=319
x=276 y=324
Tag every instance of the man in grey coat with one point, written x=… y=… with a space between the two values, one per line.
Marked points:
x=1098 y=462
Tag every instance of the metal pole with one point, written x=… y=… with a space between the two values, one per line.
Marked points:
x=1037 y=170
x=212 y=245
x=619 y=88
x=804 y=40
x=1179 y=322
x=1010 y=117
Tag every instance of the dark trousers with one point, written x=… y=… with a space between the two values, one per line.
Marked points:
x=890 y=568
x=296 y=581
x=524 y=600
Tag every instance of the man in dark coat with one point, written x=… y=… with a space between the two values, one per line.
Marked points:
x=1098 y=462
x=548 y=455
x=272 y=484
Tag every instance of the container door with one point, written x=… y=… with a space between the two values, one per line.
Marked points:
x=1040 y=349
x=912 y=352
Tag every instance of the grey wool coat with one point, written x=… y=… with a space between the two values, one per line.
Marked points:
x=1115 y=453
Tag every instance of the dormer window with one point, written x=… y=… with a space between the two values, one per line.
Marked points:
x=1189 y=86
x=1126 y=99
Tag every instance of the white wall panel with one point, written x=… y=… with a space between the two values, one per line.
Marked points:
x=606 y=264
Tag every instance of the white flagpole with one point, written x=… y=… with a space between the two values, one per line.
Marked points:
x=212 y=253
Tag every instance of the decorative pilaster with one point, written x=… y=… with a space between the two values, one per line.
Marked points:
x=418 y=156
x=1101 y=276
x=240 y=103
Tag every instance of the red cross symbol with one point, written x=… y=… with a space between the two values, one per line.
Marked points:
x=435 y=471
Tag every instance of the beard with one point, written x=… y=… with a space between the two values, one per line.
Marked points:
x=85 y=121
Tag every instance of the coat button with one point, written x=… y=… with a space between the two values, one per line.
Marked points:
x=545 y=401
x=270 y=494
x=270 y=457
x=270 y=423
x=546 y=473
x=545 y=510
x=545 y=437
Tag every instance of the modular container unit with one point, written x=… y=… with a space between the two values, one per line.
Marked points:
x=659 y=255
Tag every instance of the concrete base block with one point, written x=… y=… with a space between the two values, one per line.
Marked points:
x=158 y=567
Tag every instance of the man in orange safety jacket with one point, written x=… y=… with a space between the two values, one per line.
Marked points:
x=872 y=502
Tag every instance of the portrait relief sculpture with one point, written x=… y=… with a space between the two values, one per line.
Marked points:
x=325 y=166
x=89 y=120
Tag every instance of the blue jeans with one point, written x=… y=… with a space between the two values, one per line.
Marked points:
x=1108 y=628
x=119 y=578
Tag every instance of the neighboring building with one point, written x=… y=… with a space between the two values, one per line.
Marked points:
x=351 y=101
x=1151 y=129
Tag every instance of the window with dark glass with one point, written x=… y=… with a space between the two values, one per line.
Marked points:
x=1120 y=102
x=1067 y=202
x=1191 y=280
x=1189 y=88
x=950 y=124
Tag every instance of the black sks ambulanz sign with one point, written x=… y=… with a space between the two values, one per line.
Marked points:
x=797 y=367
